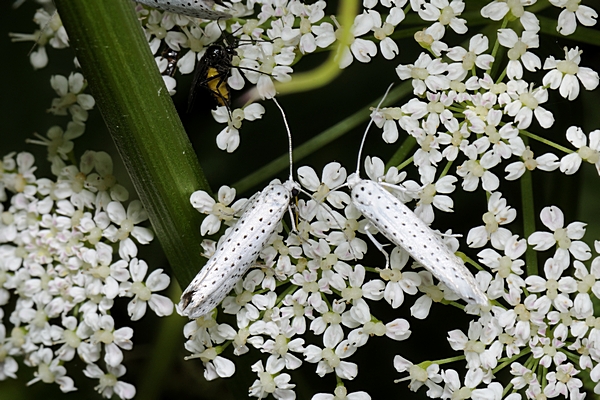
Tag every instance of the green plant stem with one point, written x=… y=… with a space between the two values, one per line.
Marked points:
x=320 y=140
x=528 y=219
x=140 y=116
x=401 y=156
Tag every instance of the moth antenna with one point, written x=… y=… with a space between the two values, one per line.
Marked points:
x=289 y=133
x=364 y=138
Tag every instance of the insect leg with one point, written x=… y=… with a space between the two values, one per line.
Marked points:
x=378 y=245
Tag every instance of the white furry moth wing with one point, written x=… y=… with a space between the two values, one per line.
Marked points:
x=403 y=228
x=192 y=8
x=237 y=252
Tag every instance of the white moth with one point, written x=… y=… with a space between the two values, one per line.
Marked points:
x=237 y=252
x=403 y=228
x=192 y=8
x=240 y=248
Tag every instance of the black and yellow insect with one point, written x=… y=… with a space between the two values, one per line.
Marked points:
x=213 y=70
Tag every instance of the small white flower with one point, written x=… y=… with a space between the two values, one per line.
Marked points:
x=420 y=376
x=454 y=388
x=334 y=175
x=468 y=60
x=518 y=53
x=565 y=239
x=361 y=49
x=563 y=382
x=499 y=213
x=398 y=281
x=127 y=221
x=215 y=366
x=51 y=32
x=113 y=339
x=425 y=73
x=445 y=13
x=565 y=73
x=271 y=381
x=109 y=383
x=142 y=292
x=498 y=9
x=59 y=142
x=71 y=93
x=229 y=139
x=545 y=162
x=573 y=11
x=570 y=163
x=474 y=170
x=382 y=31
x=330 y=358
x=522 y=101
x=50 y=370
x=219 y=211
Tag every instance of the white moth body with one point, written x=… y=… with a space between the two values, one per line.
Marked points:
x=403 y=228
x=238 y=251
x=192 y=8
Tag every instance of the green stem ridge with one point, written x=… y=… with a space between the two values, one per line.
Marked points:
x=142 y=120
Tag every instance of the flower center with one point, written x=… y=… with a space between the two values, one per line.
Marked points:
x=516 y=8
x=351 y=293
x=468 y=61
x=391 y=274
x=108 y=380
x=505 y=267
x=332 y=318
x=45 y=373
x=417 y=373
x=428 y=194
x=491 y=225
x=71 y=339
x=103 y=336
x=125 y=229
x=572 y=5
x=517 y=51
x=332 y=359
x=528 y=100
x=419 y=73
x=446 y=15
x=567 y=67
x=589 y=155
x=142 y=292
x=281 y=344
x=562 y=239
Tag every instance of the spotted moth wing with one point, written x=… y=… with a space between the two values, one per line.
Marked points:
x=405 y=229
x=192 y=8
x=237 y=252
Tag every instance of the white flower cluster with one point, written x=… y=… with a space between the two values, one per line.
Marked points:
x=467 y=124
x=67 y=251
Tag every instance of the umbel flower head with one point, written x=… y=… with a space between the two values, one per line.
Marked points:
x=468 y=126
x=68 y=252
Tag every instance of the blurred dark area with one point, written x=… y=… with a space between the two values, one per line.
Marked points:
x=27 y=94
